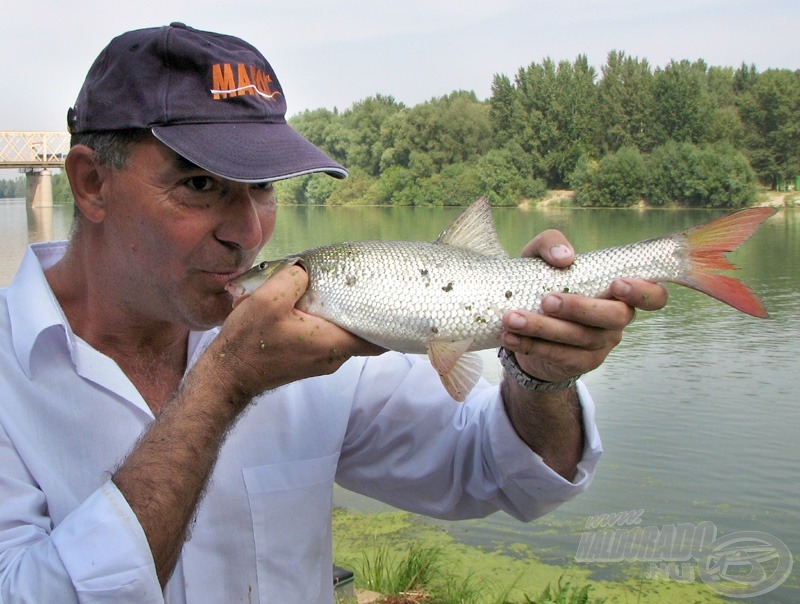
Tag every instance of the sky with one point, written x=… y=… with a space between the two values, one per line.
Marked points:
x=333 y=53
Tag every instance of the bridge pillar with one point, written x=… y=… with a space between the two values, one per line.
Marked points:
x=39 y=188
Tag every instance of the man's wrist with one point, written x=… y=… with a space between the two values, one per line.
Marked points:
x=509 y=362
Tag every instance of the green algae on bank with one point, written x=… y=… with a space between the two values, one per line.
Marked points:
x=514 y=569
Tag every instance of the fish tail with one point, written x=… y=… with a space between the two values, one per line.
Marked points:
x=708 y=243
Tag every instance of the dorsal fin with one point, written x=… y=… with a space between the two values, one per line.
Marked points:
x=474 y=230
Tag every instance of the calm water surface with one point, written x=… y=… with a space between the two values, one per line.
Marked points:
x=698 y=407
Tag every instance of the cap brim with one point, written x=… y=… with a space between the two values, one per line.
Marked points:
x=248 y=152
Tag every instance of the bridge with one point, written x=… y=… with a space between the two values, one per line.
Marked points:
x=34 y=153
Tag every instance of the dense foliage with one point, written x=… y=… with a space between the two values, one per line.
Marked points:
x=684 y=134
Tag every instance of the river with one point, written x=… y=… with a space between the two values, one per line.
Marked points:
x=698 y=407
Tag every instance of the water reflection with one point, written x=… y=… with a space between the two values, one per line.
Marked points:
x=40 y=224
x=20 y=224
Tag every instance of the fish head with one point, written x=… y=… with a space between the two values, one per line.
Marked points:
x=246 y=283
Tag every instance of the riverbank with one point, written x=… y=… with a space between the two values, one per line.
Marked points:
x=512 y=573
x=775 y=199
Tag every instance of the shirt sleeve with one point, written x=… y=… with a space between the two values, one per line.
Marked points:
x=408 y=444
x=97 y=554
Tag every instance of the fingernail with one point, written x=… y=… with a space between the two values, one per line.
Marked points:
x=515 y=320
x=509 y=339
x=620 y=288
x=560 y=252
x=551 y=303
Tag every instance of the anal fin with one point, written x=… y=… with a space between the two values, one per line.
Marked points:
x=459 y=370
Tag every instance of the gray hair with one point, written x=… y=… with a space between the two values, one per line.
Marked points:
x=111 y=147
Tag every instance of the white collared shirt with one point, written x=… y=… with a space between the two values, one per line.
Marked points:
x=381 y=426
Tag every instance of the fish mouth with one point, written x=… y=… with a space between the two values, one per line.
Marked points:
x=236 y=290
x=224 y=276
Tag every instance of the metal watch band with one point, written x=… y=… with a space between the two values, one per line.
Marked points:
x=509 y=363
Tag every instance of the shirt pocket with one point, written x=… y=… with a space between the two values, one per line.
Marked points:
x=290 y=505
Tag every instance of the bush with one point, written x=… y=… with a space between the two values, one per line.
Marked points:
x=499 y=178
x=353 y=190
x=617 y=180
x=711 y=176
x=456 y=185
x=292 y=190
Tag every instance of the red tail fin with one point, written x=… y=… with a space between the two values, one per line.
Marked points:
x=708 y=244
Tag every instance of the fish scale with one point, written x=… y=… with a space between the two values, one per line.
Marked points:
x=447 y=298
x=402 y=295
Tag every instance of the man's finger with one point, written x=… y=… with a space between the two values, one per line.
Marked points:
x=640 y=294
x=552 y=247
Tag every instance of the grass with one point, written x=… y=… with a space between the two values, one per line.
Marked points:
x=389 y=572
x=420 y=575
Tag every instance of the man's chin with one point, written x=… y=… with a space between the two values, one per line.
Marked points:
x=210 y=317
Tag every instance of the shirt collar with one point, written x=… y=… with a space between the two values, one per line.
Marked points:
x=32 y=306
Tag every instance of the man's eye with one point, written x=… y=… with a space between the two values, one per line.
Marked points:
x=264 y=186
x=200 y=183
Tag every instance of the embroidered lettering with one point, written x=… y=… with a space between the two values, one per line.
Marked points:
x=248 y=79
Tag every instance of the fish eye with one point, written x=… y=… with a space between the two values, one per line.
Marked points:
x=263 y=265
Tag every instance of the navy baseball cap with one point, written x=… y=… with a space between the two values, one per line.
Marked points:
x=212 y=98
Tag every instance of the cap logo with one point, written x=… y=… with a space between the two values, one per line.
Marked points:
x=236 y=80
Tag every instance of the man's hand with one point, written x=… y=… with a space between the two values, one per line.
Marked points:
x=570 y=336
x=573 y=334
x=266 y=342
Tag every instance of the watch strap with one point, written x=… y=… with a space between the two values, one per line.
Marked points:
x=509 y=362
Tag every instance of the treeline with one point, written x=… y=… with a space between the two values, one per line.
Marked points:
x=12 y=188
x=684 y=134
x=16 y=188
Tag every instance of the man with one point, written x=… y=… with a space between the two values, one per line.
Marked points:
x=147 y=455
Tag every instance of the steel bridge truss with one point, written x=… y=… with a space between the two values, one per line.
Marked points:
x=33 y=150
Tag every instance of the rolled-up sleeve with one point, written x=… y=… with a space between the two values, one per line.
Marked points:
x=411 y=446
x=525 y=475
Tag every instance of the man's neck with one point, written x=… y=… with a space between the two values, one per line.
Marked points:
x=153 y=355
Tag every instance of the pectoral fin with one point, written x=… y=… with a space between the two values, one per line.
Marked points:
x=458 y=369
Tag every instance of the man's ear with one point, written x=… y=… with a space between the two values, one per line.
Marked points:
x=86 y=180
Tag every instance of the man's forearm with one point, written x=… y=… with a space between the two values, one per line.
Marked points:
x=164 y=476
x=551 y=424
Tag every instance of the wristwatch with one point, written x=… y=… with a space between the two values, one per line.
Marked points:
x=509 y=363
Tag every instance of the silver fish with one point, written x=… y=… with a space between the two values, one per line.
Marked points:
x=446 y=298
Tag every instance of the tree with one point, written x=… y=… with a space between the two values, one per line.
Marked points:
x=625 y=103
x=325 y=129
x=770 y=110
x=683 y=108
x=365 y=124
x=550 y=116
x=443 y=131
x=12 y=188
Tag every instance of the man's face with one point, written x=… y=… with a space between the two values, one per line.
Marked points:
x=176 y=234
